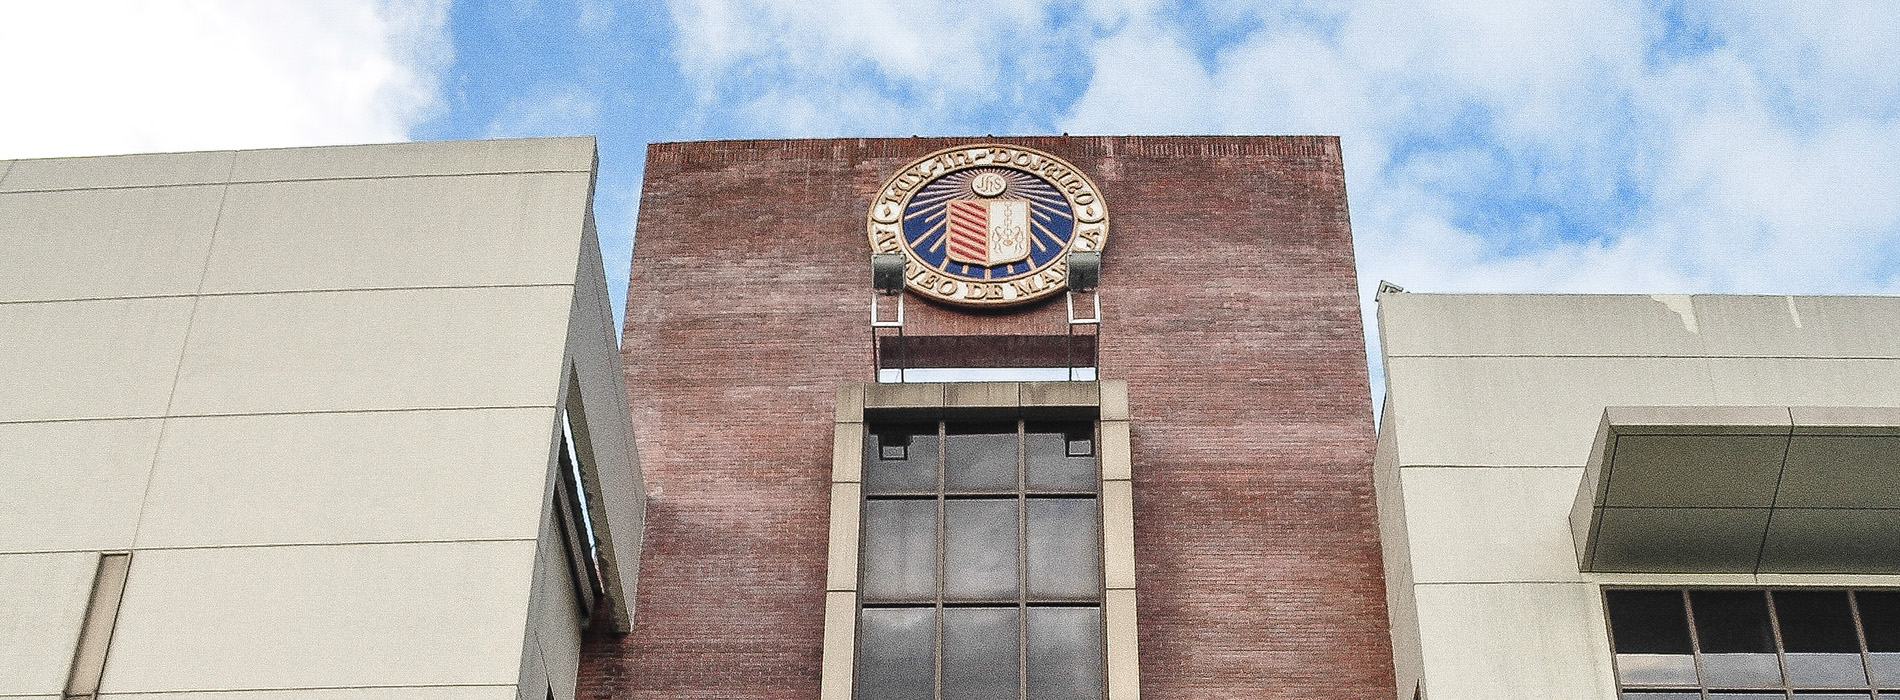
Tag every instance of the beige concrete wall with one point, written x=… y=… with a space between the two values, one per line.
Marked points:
x=314 y=391
x=1492 y=404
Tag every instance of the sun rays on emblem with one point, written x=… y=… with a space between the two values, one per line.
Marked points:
x=928 y=220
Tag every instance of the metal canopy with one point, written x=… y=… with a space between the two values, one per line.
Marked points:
x=1741 y=489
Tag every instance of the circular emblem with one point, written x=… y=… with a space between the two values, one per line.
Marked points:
x=987 y=224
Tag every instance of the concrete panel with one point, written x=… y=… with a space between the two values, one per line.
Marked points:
x=1396 y=551
x=1728 y=471
x=903 y=401
x=1543 y=324
x=1118 y=534
x=409 y=232
x=90 y=359
x=1525 y=411
x=42 y=603
x=1837 y=541
x=1784 y=326
x=322 y=616
x=463 y=692
x=1854 y=326
x=849 y=407
x=1805 y=382
x=985 y=395
x=1841 y=471
x=841 y=567
x=348 y=477
x=1691 y=540
x=1061 y=395
x=142 y=170
x=89 y=244
x=1490 y=523
x=73 y=485
x=1124 y=645
x=1846 y=420
x=1118 y=460
x=559 y=154
x=555 y=616
x=375 y=350
x=1114 y=399
x=841 y=629
x=1698 y=420
x=1514 y=641
x=847 y=452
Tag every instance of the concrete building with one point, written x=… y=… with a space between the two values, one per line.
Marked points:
x=308 y=423
x=1657 y=497
x=1212 y=534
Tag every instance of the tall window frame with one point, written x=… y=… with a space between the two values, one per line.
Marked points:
x=980 y=562
x=1101 y=403
x=1823 y=643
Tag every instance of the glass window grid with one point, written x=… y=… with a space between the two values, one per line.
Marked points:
x=1871 y=688
x=876 y=449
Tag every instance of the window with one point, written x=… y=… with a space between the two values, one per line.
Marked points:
x=980 y=567
x=1753 y=644
x=576 y=528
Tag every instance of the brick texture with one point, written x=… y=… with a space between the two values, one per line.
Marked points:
x=1231 y=309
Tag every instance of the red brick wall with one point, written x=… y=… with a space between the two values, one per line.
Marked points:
x=1230 y=306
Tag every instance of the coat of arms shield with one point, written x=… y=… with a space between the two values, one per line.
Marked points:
x=988 y=232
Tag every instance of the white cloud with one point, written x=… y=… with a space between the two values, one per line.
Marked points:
x=116 y=77
x=818 y=67
x=1495 y=145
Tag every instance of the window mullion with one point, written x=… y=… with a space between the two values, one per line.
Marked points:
x=1695 y=643
x=1781 y=651
x=942 y=546
x=1860 y=637
x=1022 y=562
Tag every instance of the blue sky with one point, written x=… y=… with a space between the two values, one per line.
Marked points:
x=1491 y=145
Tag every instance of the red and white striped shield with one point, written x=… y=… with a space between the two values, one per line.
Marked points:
x=988 y=232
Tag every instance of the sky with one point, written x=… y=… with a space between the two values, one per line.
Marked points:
x=1647 y=146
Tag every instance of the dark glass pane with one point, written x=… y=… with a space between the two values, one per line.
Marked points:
x=1732 y=622
x=1656 y=669
x=1880 y=618
x=1065 y=653
x=1816 y=621
x=1757 y=695
x=1831 y=696
x=1886 y=668
x=1809 y=670
x=1648 y=622
x=1065 y=557
x=900 y=458
x=900 y=550
x=1741 y=670
x=1053 y=463
x=897 y=654
x=979 y=653
x=980 y=457
x=979 y=540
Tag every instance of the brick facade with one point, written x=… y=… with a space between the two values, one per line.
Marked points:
x=1231 y=310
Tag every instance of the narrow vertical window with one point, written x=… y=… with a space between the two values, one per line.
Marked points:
x=577 y=531
x=980 y=567
x=95 y=633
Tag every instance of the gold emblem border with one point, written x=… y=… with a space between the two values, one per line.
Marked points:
x=885 y=223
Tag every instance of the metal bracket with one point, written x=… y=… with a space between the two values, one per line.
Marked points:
x=1096 y=318
x=877 y=322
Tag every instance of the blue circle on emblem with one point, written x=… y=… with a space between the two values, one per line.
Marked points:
x=988 y=224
